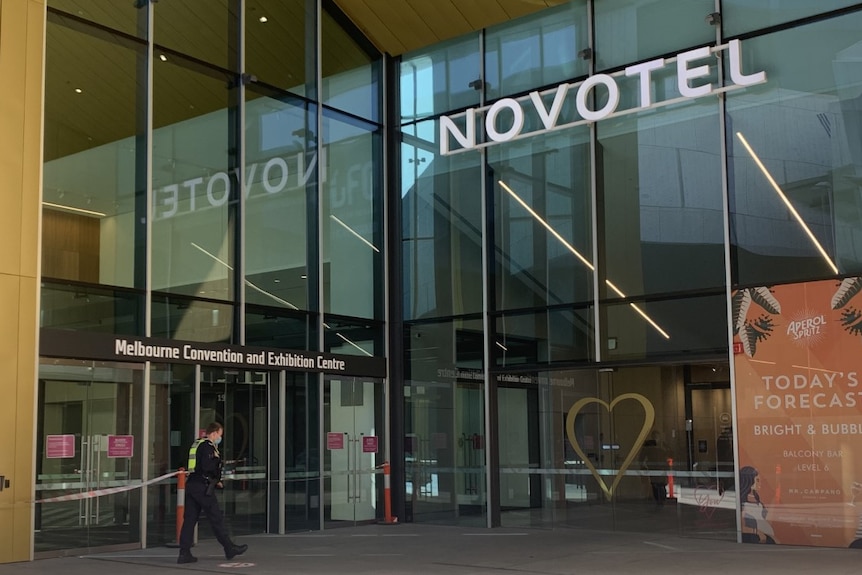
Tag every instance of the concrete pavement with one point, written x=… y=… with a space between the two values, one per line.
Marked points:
x=427 y=549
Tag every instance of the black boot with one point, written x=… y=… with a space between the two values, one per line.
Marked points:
x=233 y=550
x=186 y=556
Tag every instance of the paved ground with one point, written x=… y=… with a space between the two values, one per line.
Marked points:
x=420 y=549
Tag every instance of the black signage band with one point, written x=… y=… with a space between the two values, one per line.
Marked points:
x=110 y=347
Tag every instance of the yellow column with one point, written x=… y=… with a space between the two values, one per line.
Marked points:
x=22 y=25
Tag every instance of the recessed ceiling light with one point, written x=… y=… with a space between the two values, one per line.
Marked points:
x=278 y=281
x=303 y=276
x=163 y=58
x=78 y=90
x=263 y=19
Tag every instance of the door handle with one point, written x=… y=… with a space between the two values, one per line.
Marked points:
x=4 y=483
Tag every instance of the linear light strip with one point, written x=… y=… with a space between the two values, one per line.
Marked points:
x=247 y=282
x=353 y=344
x=352 y=231
x=77 y=210
x=786 y=201
x=585 y=261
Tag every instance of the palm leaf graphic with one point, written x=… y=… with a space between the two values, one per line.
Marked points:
x=849 y=287
x=740 y=303
x=764 y=298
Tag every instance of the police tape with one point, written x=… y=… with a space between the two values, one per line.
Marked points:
x=107 y=491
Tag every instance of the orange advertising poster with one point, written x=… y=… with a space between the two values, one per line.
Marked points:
x=798 y=368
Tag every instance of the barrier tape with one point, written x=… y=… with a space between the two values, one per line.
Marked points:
x=108 y=491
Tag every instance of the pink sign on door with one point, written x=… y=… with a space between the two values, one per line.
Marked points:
x=59 y=446
x=121 y=445
x=369 y=444
x=334 y=440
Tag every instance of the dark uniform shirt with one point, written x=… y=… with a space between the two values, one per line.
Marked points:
x=208 y=463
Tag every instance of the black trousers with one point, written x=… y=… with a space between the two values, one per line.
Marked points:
x=198 y=501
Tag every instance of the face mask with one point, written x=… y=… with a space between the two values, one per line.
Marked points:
x=218 y=440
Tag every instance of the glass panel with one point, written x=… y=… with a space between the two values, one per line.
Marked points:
x=281 y=172
x=280 y=44
x=194 y=184
x=350 y=337
x=660 y=196
x=172 y=416
x=209 y=34
x=246 y=404
x=127 y=17
x=609 y=450
x=741 y=16
x=441 y=233
x=445 y=423
x=352 y=421
x=442 y=79
x=352 y=218
x=645 y=24
x=270 y=327
x=94 y=185
x=536 y=50
x=302 y=453
x=545 y=337
x=637 y=330
x=192 y=320
x=91 y=308
x=88 y=438
x=796 y=139
x=351 y=78
x=543 y=220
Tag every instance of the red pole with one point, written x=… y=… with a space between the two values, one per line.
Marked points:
x=181 y=500
x=670 y=478
x=387 y=497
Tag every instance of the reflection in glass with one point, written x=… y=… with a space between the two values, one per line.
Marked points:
x=172 y=416
x=177 y=317
x=350 y=75
x=645 y=24
x=95 y=148
x=441 y=227
x=127 y=17
x=88 y=438
x=794 y=156
x=536 y=50
x=442 y=79
x=445 y=423
x=280 y=174
x=91 y=308
x=351 y=218
x=543 y=220
x=273 y=327
x=194 y=181
x=546 y=336
x=661 y=211
x=741 y=16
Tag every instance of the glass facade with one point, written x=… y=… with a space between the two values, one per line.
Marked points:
x=536 y=228
x=610 y=195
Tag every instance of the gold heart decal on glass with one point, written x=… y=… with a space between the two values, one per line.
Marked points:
x=649 y=418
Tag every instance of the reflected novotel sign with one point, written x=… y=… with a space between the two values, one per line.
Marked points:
x=687 y=72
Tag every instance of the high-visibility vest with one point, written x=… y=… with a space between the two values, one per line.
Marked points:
x=193 y=454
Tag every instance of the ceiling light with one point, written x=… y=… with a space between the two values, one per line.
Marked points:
x=78 y=90
x=163 y=58
x=76 y=210
x=263 y=19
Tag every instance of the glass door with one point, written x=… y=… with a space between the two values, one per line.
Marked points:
x=89 y=440
x=353 y=448
x=246 y=404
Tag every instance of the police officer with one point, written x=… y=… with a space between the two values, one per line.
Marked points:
x=204 y=468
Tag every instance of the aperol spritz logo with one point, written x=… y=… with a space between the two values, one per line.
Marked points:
x=808 y=329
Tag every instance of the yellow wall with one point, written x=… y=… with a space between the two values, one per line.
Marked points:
x=22 y=24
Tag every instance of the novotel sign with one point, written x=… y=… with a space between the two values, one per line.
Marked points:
x=689 y=72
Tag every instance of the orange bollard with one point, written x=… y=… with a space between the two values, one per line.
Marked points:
x=387 y=497
x=181 y=500
x=670 y=478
